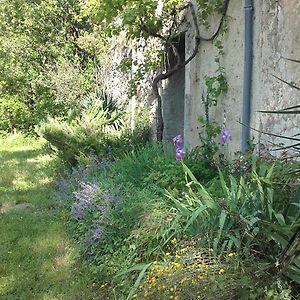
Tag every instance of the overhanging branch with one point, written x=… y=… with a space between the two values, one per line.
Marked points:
x=179 y=65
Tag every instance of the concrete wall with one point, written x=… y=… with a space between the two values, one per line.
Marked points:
x=276 y=35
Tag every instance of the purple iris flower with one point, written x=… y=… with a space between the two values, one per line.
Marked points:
x=225 y=136
x=180 y=154
x=178 y=143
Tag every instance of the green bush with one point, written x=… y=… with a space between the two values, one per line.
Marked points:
x=89 y=134
x=14 y=114
x=153 y=167
x=99 y=130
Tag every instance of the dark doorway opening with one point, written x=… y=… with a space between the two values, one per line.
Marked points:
x=173 y=93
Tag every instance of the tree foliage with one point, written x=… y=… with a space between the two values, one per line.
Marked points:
x=35 y=36
x=48 y=48
x=140 y=18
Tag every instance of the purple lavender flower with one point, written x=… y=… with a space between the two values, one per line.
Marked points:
x=85 y=197
x=225 y=136
x=79 y=208
x=178 y=141
x=87 y=192
x=110 y=198
x=102 y=208
x=96 y=234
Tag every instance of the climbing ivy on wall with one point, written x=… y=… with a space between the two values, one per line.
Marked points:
x=216 y=85
x=207 y=8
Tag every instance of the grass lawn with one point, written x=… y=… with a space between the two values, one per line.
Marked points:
x=37 y=260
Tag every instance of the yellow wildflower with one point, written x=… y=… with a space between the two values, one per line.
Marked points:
x=177 y=265
x=174 y=241
x=222 y=271
x=200 y=277
x=178 y=257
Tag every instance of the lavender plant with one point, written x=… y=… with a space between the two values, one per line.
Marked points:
x=85 y=197
x=91 y=210
x=87 y=200
x=97 y=233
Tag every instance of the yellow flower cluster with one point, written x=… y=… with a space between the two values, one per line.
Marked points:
x=174 y=278
x=181 y=273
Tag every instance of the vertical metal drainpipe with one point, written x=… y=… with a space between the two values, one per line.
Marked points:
x=248 y=66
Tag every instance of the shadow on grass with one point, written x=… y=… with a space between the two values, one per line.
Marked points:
x=39 y=196
x=20 y=155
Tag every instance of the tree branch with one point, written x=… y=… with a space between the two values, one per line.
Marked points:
x=179 y=65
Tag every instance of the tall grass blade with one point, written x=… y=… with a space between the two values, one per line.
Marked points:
x=201 y=190
x=138 y=281
x=181 y=207
x=222 y=220
x=194 y=216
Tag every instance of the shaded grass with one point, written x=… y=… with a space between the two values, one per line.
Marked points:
x=37 y=259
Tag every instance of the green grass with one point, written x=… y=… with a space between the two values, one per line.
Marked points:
x=37 y=260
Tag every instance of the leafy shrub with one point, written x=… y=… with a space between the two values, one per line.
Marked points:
x=117 y=226
x=153 y=167
x=87 y=134
x=118 y=213
x=14 y=114
x=68 y=82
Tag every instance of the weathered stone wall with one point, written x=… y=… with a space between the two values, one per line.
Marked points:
x=276 y=37
x=117 y=82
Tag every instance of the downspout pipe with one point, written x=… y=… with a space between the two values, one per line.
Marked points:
x=248 y=70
